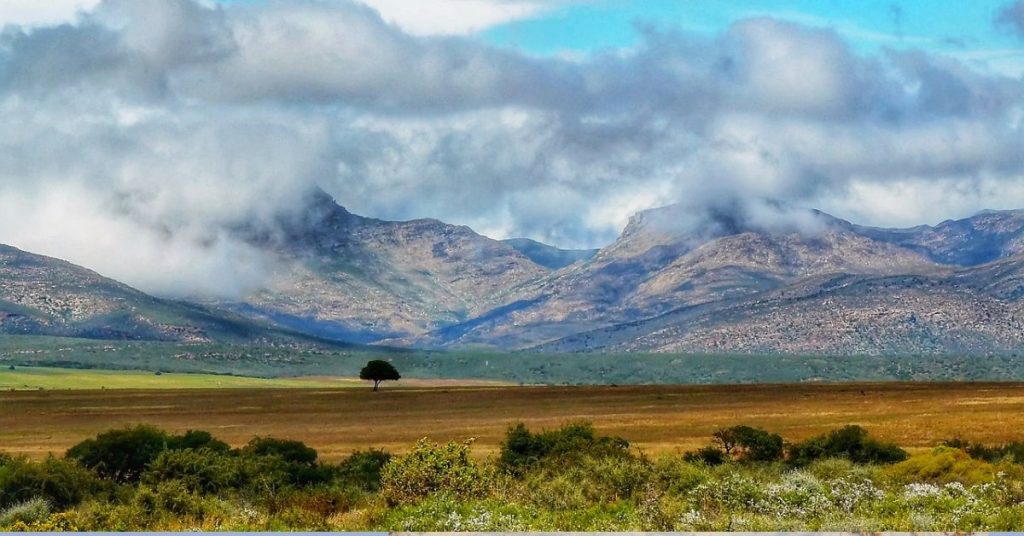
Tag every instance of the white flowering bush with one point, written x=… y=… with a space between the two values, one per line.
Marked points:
x=852 y=494
x=917 y=490
x=798 y=495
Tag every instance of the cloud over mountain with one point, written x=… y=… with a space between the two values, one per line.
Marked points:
x=139 y=136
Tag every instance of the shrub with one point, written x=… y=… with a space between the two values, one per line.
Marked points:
x=943 y=465
x=174 y=498
x=591 y=480
x=363 y=469
x=59 y=522
x=34 y=510
x=207 y=471
x=830 y=469
x=324 y=501
x=678 y=476
x=750 y=444
x=1013 y=450
x=62 y=483
x=202 y=471
x=287 y=450
x=709 y=455
x=522 y=450
x=978 y=451
x=850 y=442
x=197 y=439
x=429 y=469
x=121 y=455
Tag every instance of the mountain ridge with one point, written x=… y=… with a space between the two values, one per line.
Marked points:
x=748 y=276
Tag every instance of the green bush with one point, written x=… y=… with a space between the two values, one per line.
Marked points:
x=201 y=471
x=121 y=455
x=839 y=468
x=171 y=497
x=850 y=442
x=523 y=450
x=363 y=469
x=429 y=469
x=32 y=511
x=211 y=472
x=750 y=444
x=197 y=439
x=590 y=480
x=62 y=483
x=297 y=460
x=287 y=450
x=979 y=451
x=709 y=455
x=678 y=476
x=943 y=465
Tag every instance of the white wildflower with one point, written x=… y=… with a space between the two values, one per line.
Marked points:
x=691 y=518
x=918 y=490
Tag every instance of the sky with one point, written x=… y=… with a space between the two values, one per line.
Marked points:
x=140 y=135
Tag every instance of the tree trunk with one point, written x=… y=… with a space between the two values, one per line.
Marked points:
x=376 y=383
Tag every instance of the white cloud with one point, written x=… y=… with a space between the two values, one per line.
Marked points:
x=455 y=17
x=140 y=140
x=42 y=12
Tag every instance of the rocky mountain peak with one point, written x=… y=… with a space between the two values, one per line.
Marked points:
x=684 y=227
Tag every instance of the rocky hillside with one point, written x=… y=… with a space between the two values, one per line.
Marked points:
x=665 y=260
x=970 y=300
x=45 y=296
x=964 y=312
x=983 y=238
x=363 y=279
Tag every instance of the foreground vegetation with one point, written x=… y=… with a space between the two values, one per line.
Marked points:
x=569 y=478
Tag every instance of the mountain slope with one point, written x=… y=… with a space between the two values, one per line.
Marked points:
x=361 y=279
x=985 y=237
x=45 y=296
x=549 y=256
x=662 y=262
x=979 y=310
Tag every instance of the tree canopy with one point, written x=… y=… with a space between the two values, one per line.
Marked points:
x=378 y=371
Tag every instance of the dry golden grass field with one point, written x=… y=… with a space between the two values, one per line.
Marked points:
x=654 y=418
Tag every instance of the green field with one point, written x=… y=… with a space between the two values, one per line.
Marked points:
x=34 y=378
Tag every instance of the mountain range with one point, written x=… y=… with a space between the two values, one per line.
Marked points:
x=752 y=276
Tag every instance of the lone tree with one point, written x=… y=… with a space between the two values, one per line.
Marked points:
x=379 y=371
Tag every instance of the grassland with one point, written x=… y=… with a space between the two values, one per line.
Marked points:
x=656 y=419
x=36 y=378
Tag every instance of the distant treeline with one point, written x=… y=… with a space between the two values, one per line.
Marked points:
x=519 y=367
